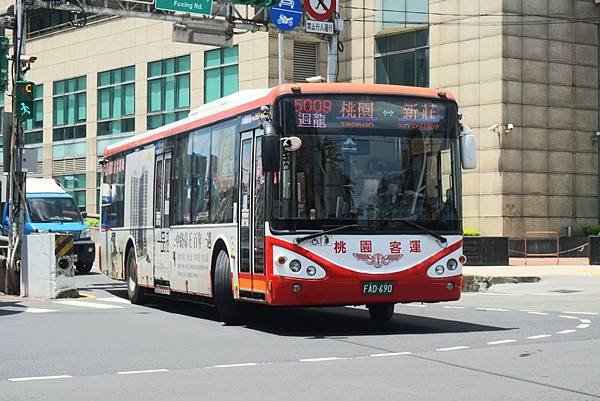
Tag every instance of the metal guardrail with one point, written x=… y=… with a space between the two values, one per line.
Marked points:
x=551 y=234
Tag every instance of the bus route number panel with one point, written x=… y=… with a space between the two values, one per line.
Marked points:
x=368 y=112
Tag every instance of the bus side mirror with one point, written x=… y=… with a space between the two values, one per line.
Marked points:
x=270 y=149
x=468 y=147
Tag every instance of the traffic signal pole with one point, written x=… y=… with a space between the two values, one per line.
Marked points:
x=16 y=178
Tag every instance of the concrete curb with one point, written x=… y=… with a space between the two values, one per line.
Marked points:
x=483 y=283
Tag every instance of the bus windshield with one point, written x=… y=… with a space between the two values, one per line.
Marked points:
x=48 y=210
x=371 y=161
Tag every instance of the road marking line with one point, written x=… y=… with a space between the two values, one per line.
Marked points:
x=525 y=310
x=333 y=358
x=39 y=310
x=501 y=342
x=116 y=300
x=583 y=326
x=87 y=295
x=88 y=304
x=416 y=305
x=588 y=321
x=390 y=354
x=539 y=336
x=455 y=307
x=538 y=313
x=493 y=309
x=26 y=309
x=24 y=379
x=566 y=331
x=453 y=348
x=568 y=317
x=134 y=372
x=581 y=313
x=236 y=365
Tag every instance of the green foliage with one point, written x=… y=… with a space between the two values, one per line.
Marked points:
x=470 y=232
x=593 y=229
x=91 y=222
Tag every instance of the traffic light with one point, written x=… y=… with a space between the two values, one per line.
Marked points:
x=24 y=99
x=256 y=3
x=3 y=63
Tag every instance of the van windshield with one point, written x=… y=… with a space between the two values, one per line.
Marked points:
x=44 y=210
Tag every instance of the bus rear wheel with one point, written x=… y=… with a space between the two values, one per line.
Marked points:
x=134 y=292
x=227 y=307
x=381 y=312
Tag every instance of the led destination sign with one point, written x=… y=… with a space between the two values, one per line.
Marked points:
x=368 y=112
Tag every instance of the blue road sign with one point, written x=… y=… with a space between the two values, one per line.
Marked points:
x=286 y=14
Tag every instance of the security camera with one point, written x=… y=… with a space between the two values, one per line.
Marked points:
x=493 y=128
x=315 y=80
x=509 y=127
x=28 y=59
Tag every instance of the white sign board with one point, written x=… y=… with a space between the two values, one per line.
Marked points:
x=323 y=27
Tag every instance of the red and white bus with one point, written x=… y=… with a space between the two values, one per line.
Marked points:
x=299 y=195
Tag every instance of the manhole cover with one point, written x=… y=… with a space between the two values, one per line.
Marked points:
x=563 y=291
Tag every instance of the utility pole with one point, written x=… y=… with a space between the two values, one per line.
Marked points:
x=16 y=178
x=332 y=46
x=281 y=57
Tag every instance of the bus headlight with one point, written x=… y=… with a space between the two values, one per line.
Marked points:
x=439 y=270
x=295 y=266
x=452 y=264
x=311 y=270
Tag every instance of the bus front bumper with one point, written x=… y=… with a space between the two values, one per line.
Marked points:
x=286 y=291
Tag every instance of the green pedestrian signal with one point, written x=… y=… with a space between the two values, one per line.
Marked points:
x=4 y=46
x=24 y=99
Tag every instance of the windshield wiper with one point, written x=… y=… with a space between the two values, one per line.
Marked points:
x=442 y=240
x=311 y=236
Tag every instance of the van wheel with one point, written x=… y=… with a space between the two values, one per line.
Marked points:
x=134 y=292
x=381 y=312
x=227 y=307
x=83 y=268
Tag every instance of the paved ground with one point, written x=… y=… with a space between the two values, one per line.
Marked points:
x=515 y=342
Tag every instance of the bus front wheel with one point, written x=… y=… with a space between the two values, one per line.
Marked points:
x=381 y=312
x=134 y=292
x=227 y=307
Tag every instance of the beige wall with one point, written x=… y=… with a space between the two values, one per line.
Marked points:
x=541 y=78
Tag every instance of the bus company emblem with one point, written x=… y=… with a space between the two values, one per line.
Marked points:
x=377 y=260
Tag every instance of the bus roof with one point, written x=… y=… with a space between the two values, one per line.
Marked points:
x=247 y=100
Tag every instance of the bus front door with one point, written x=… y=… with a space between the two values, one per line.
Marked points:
x=163 y=255
x=252 y=279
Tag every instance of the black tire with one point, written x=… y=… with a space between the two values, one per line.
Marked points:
x=227 y=307
x=134 y=292
x=83 y=268
x=381 y=312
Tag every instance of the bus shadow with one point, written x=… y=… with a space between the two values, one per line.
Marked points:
x=340 y=321
x=318 y=322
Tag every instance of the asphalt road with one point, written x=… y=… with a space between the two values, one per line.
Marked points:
x=519 y=342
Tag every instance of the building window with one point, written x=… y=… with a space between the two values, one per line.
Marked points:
x=168 y=91
x=75 y=185
x=403 y=59
x=395 y=14
x=33 y=128
x=69 y=109
x=221 y=74
x=116 y=101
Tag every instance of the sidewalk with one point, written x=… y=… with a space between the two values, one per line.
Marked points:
x=532 y=271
